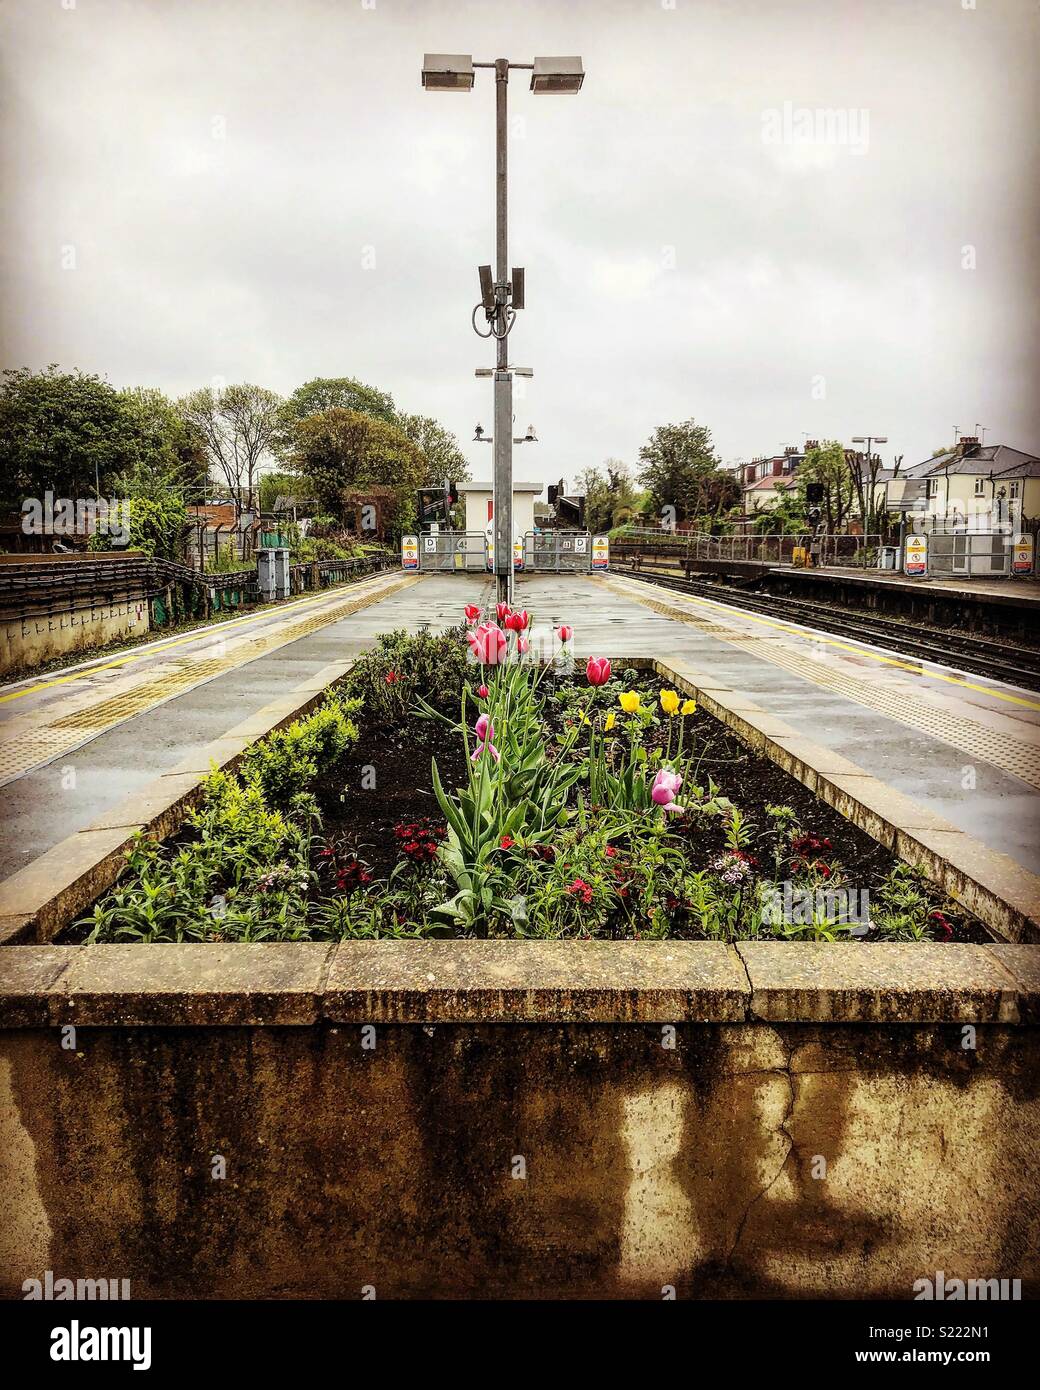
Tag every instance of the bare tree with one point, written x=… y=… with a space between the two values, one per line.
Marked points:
x=238 y=425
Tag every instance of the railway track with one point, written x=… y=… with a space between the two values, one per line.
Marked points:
x=964 y=652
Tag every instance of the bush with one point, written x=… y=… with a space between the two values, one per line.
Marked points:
x=402 y=667
x=286 y=763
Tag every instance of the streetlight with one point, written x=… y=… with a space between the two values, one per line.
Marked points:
x=502 y=296
x=869 y=440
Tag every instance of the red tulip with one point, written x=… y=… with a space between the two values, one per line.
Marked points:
x=488 y=644
x=566 y=632
x=598 y=670
x=522 y=645
x=504 y=611
x=482 y=692
x=517 y=622
x=472 y=612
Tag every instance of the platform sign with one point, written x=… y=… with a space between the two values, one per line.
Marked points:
x=600 y=552
x=430 y=544
x=518 y=553
x=409 y=552
x=915 y=556
x=1022 y=554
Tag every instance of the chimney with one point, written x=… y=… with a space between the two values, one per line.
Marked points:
x=967 y=444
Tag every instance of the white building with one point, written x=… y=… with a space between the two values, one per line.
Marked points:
x=480 y=511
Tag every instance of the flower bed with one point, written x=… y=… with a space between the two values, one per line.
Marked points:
x=452 y=786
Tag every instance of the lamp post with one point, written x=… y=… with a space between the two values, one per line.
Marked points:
x=504 y=295
x=868 y=509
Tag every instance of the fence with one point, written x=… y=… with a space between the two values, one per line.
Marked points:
x=453 y=551
x=207 y=545
x=558 y=551
x=857 y=552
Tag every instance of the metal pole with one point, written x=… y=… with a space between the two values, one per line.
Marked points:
x=503 y=478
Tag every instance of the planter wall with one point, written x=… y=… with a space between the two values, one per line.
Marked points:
x=481 y=1119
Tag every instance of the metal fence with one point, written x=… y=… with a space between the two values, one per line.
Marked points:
x=558 y=551
x=858 y=552
x=453 y=552
x=976 y=554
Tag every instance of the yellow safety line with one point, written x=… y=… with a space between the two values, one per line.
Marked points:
x=861 y=651
x=195 y=636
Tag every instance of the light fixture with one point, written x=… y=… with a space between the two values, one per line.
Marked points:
x=479 y=437
x=557 y=75
x=447 y=72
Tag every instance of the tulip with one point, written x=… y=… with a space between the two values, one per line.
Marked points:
x=517 y=622
x=689 y=707
x=504 y=611
x=566 y=632
x=472 y=612
x=669 y=701
x=666 y=784
x=629 y=701
x=597 y=671
x=482 y=692
x=488 y=644
x=522 y=645
x=611 y=721
x=485 y=732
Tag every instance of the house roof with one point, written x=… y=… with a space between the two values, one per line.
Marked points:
x=772 y=482
x=980 y=460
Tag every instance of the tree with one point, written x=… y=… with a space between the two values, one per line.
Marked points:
x=238 y=426
x=610 y=495
x=825 y=464
x=678 y=462
x=439 y=448
x=344 y=450
x=863 y=471
x=339 y=393
x=66 y=432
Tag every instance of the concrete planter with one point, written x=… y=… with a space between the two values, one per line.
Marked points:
x=473 y=1119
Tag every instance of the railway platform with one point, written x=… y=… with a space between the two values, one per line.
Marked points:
x=965 y=747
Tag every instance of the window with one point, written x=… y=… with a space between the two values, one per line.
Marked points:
x=1013 y=491
x=931 y=488
x=980 y=486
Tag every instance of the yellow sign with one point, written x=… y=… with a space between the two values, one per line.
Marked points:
x=915 y=555
x=1022 y=554
x=409 y=552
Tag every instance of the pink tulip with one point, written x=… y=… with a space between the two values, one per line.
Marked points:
x=485 y=732
x=666 y=784
x=472 y=612
x=598 y=670
x=504 y=611
x=517 y=622
x=482 y=692
x=488 y=644
x=566 y=632
x=522 y=645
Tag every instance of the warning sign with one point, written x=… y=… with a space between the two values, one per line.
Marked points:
x=409 y=552
x=1022 y=554
x=518 y=553
x=600 y=552
x=915 y=556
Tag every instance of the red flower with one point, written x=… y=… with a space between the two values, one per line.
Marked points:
x=506 y=842
x=472 y=612
x=503 y=611
x=517 y=622
x=610 y=851
x=482 y=692
x=598 y=670
x=391 y=677
x=941 y=925
x=581 y=889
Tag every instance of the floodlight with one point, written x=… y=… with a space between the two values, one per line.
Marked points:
x=447 y=72
x=557 y=75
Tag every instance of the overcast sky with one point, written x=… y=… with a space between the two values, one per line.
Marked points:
x=263 y=192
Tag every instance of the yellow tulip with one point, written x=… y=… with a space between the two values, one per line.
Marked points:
x=669 y=701
x=629 y=701
x=689 y=707
x=610 y=722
